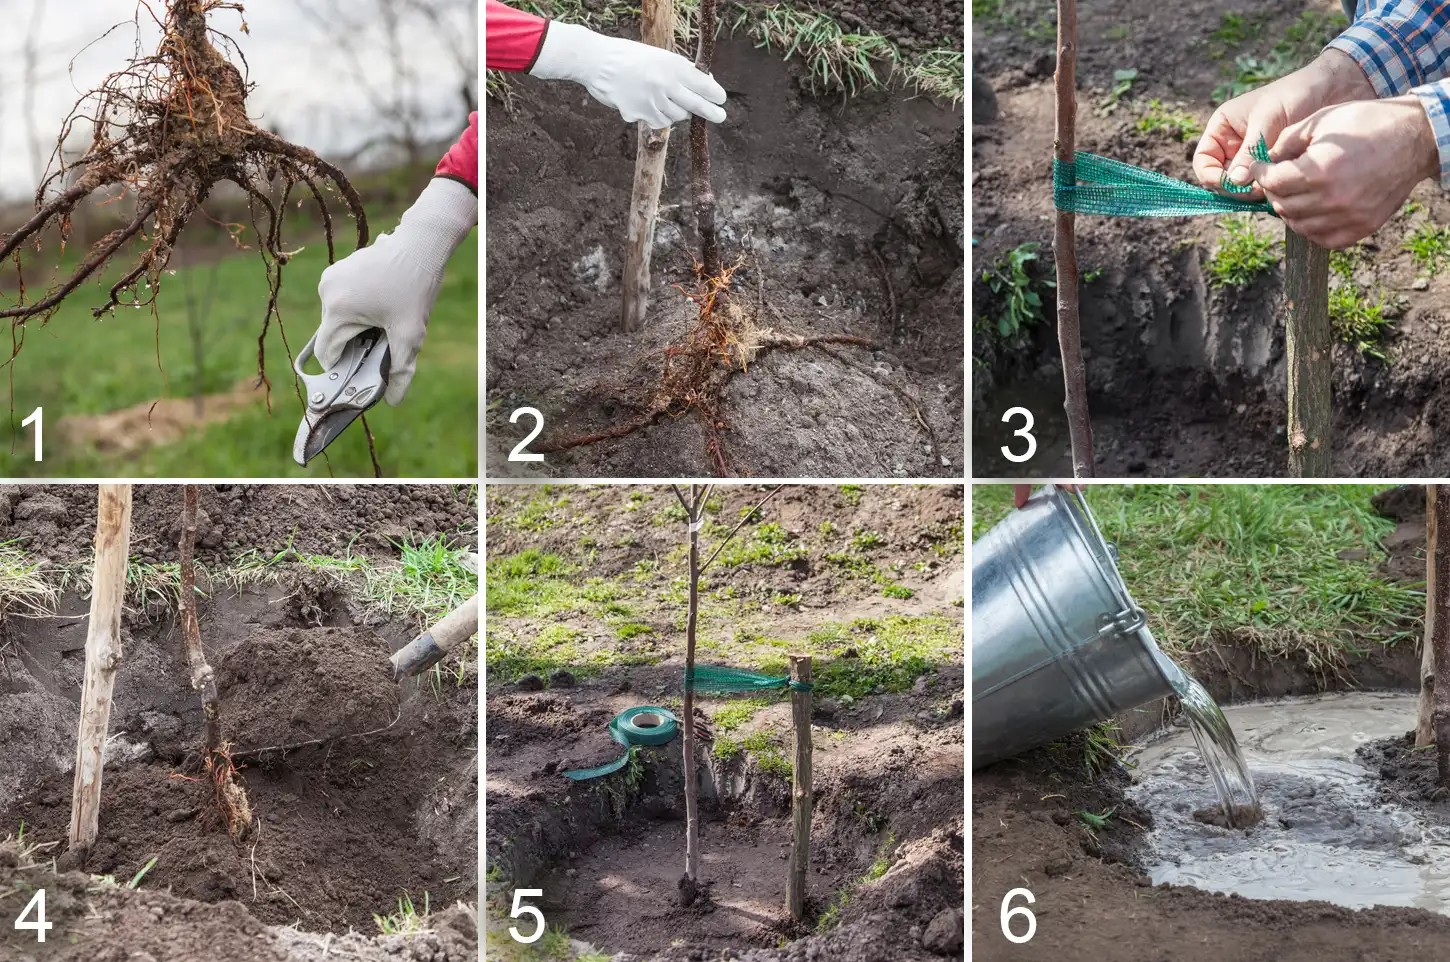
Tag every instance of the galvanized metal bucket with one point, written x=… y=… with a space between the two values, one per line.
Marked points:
x=1057 y=643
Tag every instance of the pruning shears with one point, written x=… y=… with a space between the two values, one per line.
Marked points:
x=341 y=393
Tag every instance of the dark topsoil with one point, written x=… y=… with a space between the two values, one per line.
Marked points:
x=57 y=522
x=343 y=828
x=850 y=214
x=1184 y=378
x=1092 y=902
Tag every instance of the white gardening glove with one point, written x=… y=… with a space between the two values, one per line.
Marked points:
x=641 y=82
x=394 y=283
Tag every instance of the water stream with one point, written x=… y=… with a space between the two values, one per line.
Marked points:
x=1326 y=831
x=1219 y=750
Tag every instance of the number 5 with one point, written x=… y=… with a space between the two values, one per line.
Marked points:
x=519 y=910
x=1019 y=910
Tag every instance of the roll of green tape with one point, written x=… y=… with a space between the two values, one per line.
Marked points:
x=626 y=729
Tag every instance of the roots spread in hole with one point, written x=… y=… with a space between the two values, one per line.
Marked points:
x=166 y=130
x=725 y=341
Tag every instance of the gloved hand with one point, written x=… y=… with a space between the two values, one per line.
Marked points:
x=394 y=283
x=640 y=81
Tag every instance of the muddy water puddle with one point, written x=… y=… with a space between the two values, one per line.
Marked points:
x=1324 y=835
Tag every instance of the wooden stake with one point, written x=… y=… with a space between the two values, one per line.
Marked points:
x=800 y=797
x=1437 y=638
x=657 y=28
x=1424 y=729
x=1308 y=341
x=700 y=154
x=1064 y=249
x=103 y=657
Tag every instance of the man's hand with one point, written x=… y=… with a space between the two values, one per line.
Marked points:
x=1336 y=177
x=640 y=81
x=394 y=283
x=1235 y=128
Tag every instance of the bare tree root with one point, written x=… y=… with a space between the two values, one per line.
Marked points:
x=166 y=130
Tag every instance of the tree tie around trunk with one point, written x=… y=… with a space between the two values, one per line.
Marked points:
x=1090 y=184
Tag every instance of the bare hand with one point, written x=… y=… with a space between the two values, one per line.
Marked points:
x=1336 y=177
x=1236 y=127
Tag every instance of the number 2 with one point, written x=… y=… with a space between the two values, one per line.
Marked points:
x=1023 y=432
x=40 y=925
x=518 y=453
x=37 y=417
x=519 y=910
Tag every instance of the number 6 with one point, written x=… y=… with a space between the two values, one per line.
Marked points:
x=519 y=910
x=1019 y=910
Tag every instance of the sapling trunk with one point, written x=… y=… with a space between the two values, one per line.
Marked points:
x=1308 y=341
x=694 y=519
x=700 y=154
x=1064 y=249
x=231 y=797
x=657 y=28
x=103 y=658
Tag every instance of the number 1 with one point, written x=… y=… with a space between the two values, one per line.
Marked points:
x=40 y=924
x=37 y=417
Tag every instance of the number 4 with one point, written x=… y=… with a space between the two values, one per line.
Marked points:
x=40 y=925
x=519 y=910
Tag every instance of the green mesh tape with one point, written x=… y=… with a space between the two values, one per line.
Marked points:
x=1259 y=152
x=627 y=732
x=717 y=678
x=1096 y=185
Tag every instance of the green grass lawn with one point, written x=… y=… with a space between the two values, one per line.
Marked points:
x=1285 y=567
x=76 y=365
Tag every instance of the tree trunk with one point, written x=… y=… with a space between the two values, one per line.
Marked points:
x=1438 y=626
x=700 y=154
x=1064 y=249
x=692 y=800
x=657 y=28
x=203 y=679
x=1424 y=729
x=1308 y=341
x=800 y=796
x=103 y=657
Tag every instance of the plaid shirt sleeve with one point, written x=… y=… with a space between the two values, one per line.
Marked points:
x=1403 y=46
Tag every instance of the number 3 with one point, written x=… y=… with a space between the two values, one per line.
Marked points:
x=519 y=910
x=1023 y=432
x=1019 y=910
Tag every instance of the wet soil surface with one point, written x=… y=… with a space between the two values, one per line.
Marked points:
x=1407 y=775
x=343 y=828
x=57 y=522
x=1094 y=900
x=888 y=768
x=849 y=216
x=1184 y=378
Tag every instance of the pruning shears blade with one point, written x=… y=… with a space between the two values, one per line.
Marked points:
x=342 y=393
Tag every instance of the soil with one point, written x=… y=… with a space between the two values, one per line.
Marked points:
x=344 y=828
x=1092 y=900
x=1407 y=775
x=887 y=769
x=57 y=522
x=1184 y=378
x=849 y=217
x=104 y=923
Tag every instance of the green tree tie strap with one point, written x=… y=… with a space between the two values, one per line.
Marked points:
x=718 y=678
x=1096 y=185
x=624 y=730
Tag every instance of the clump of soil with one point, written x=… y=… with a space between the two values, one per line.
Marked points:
x=111 y=923
x=1406 y=773
x=281 y=688
x=850 y=220
x=1235 y=816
